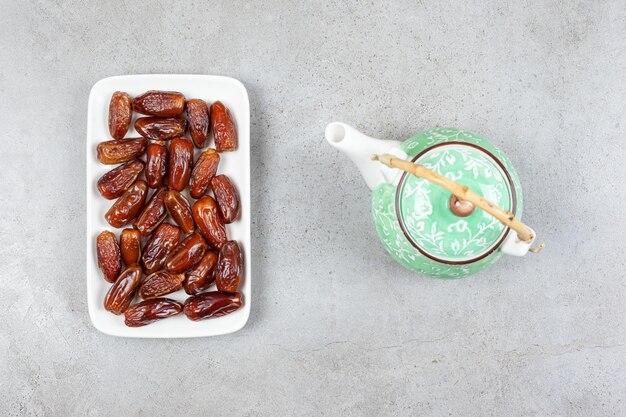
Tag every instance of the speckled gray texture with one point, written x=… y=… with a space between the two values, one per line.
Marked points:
x=337 y=328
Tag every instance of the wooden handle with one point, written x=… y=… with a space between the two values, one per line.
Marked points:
x=463 y=193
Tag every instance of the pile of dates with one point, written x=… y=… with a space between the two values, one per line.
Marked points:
x=168 y=242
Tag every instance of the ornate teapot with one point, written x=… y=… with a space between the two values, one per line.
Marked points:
x=446 y=202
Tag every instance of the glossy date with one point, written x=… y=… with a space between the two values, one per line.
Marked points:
x=211 y=304
x=153 y=213
x=109 y=255
x=186 y=254
x=227 y=198
x=130 y=245
x=198 y=116
x=156 y=164
x=206 y=215
x=128 y=206
x=122 y=150
x=122 y=292
x=223 y=128
x=180 y=163
x=160 y=128
x=201 y=276
x=149 y=311
x=120 y=114
x=159 y=246
x=113 y=183
x=160 y=283
x=229 y=267
x=203 y=171
x=160 y=103
x=178 y=207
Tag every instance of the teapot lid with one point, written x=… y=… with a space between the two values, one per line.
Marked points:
x=436 y=223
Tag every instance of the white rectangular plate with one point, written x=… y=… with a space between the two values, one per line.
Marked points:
x=234 y=164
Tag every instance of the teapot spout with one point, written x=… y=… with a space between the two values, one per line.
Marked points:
x=359 y=147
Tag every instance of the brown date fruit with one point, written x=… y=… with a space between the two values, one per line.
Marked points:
x=227 y=198
x=109 y=255
x=152 y=214
x=149 y=311
x=180 y=163
x=198 y=116
x=130 y=244
x=120 y=114
x=178 y=207
x=159 y=128
x=156 y=164
x=203 y=171
x=128 y=206
x=229 y=267
x=207 y=217
x=201 y=276
x=211 y=304
x=113 y=184
x=123 y=291
x=186 y=254
x=160 y=103
x=223 y=128
x=159 y=246
x=160 y=283
x=122 y=150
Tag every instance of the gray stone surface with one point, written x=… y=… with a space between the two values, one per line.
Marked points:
x=337 y=328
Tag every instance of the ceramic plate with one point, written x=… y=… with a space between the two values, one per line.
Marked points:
x=234 y=164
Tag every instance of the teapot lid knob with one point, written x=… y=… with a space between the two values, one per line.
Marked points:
x=460 y=207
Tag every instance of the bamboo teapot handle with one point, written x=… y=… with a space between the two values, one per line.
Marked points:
x=463 y=200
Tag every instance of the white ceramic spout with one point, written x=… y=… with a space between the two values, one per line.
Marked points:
x=360 y=147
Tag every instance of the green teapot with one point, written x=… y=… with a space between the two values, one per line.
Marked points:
x=446 y=203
